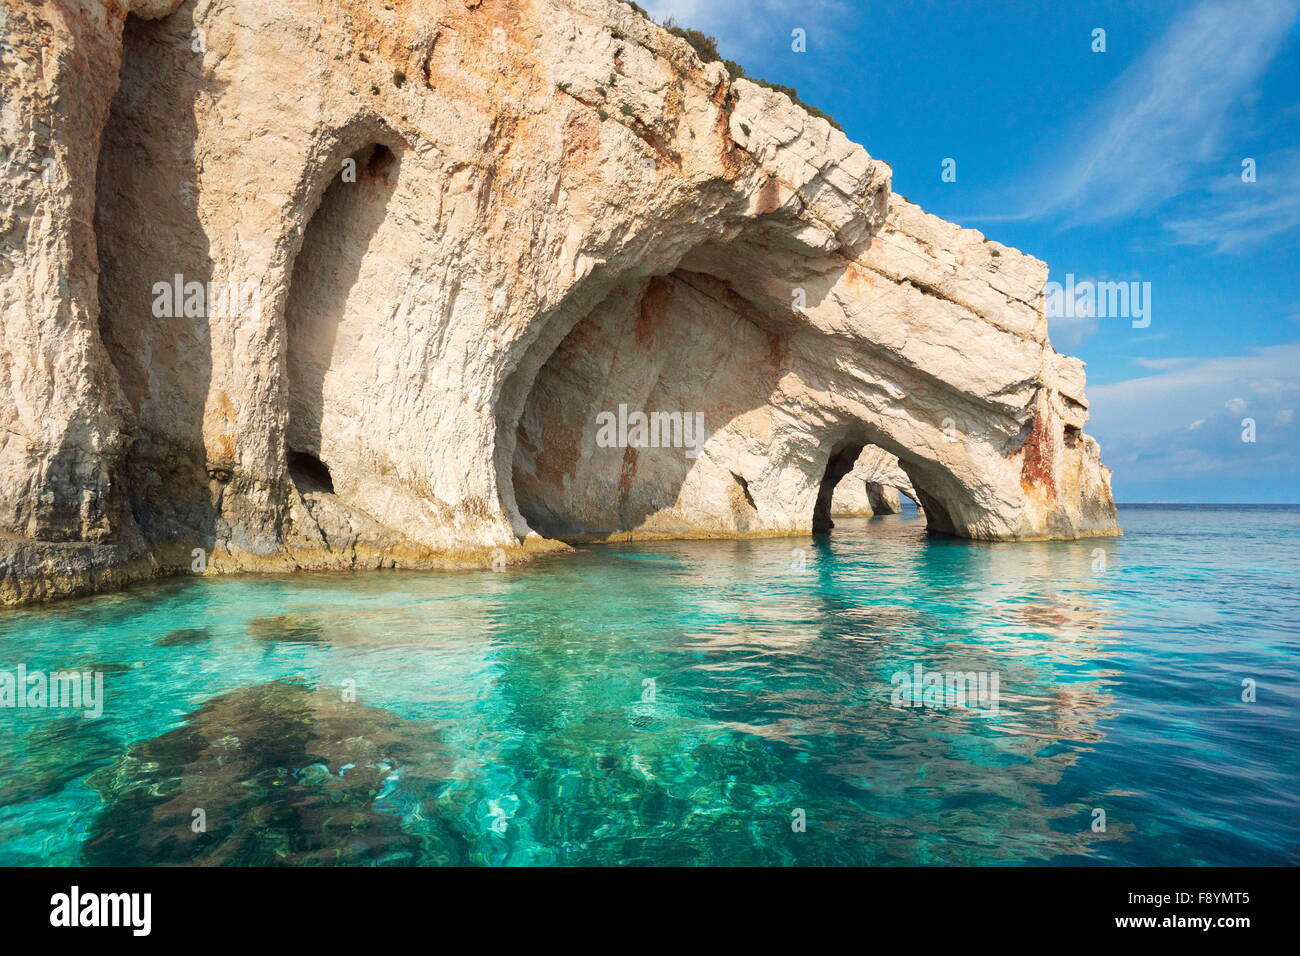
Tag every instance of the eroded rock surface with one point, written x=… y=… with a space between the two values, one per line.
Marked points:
x=420 y=247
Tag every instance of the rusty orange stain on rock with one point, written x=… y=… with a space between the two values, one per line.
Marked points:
x=561 y=461
x=654 y=309
x=582 y=138
x=778 y=350
x=731 y=154
x=769 y=196
x=1037 y=468
x=627 y=475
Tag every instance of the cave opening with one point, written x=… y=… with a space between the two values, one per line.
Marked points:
x=329 y=304
x=158 y=346
x=666 y=362
x=309 y=473
x=877 y=485
x=743 y=484
x=379 y=160
x=705 y=338
x=844 y=455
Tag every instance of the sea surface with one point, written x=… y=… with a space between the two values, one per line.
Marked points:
x=688 y=703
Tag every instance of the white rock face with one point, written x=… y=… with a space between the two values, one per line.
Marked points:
x=421 y=249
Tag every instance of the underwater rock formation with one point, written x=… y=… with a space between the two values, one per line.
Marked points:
x=279 y=298
x=284 y=775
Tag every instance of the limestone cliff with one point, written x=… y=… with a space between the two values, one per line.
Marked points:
x=327 y=284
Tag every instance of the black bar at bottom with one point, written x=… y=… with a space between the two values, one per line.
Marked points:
x=261 y=906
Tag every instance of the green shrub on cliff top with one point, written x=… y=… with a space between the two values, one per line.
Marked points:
x=706 y=48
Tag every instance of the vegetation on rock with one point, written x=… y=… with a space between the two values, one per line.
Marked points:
x=706 y=48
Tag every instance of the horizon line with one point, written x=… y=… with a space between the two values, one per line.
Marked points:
x=1234 y=504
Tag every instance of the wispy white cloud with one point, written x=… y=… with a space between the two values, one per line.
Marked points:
x=1171 y=399
x=1165 y=117
x=1074 y=315
x=1161 y=364
x=1072 y=330
x=1190 y=421
x=1238 y=216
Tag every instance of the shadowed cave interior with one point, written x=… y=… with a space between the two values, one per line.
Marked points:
x=672 y=346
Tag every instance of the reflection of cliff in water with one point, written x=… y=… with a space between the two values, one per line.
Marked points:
x=752 y=693
x=284 y=774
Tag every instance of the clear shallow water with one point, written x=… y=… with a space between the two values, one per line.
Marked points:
x=503 y=718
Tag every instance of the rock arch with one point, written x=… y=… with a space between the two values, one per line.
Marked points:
x=843 y=456
x=787 y=391
x=876 y=486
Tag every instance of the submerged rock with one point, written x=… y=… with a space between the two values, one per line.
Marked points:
x=355 y=628
x=287 y=628
x=184 y=637
x=52 y=755
x=283 y=774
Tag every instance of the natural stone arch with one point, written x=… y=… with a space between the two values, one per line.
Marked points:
x=938 y=492
x=839 y=463
x=657 y=345
x=960 y=448
x=876 y=486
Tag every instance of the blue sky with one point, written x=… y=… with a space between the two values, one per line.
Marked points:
x=1124 y=165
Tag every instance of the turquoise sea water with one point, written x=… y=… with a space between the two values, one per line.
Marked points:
x=687 y=703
